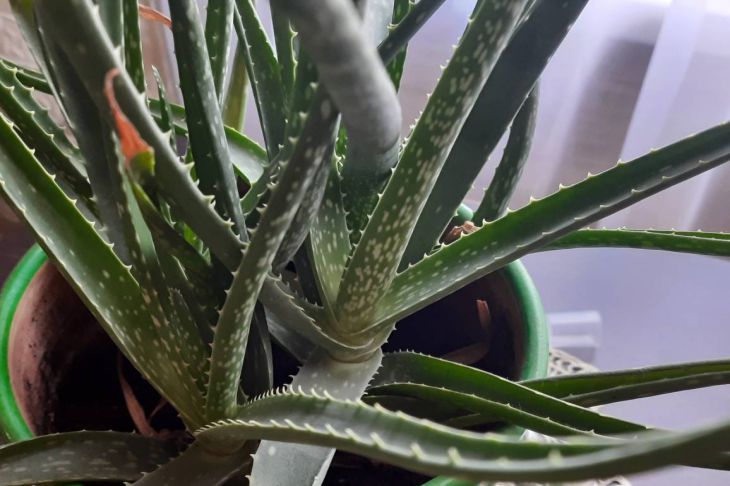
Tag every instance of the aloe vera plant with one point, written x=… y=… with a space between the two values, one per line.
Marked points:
x=185 y=259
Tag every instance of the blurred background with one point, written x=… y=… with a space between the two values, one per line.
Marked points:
x=632 y=75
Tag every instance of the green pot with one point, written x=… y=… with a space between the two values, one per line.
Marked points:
x=14 y=426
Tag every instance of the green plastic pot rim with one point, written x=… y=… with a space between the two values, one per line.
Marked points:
x=12 y=423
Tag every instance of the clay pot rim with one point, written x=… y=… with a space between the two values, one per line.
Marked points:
x=13 y=424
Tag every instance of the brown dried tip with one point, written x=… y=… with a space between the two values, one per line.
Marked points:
x=149 y=13
x=129 y=138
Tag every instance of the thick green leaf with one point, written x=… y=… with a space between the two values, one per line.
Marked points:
x=133 y=44
x=90 y=266
x=198 y=466
x=218 y=23
x=488 y=411
x=375 y=260
x=297 y=464
x=263 y=70
x=208 y=143
x=428 y=448
x=248 y=157
x=543 y=221
x=110 y=12
x=328 y=246
x=285 y=53
x=399 y=369
x=685 y=242
x=592 y=389
x=513 y=78
x=81 y=456
x=234 y=102
x=509 y=170
x=289 y=315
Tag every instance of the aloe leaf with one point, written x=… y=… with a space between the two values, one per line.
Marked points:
x=231 y=333
x=81 y=456
x=399 y=369
x=500 y=189
x=207 y=139
x=425 y=447
x=542 y=221
x=302 y=320
x=133 y=44
x=395 y=67
x=110 y=12
x=359 y=85
x=234 y=102
x=296 y=464
x=258 y=367
x=688 y=242
x=591 y=389
x=248 y=157
x=307 y=211
x=54 y=149
x=29 y=77
x=218 y=23
x=407 y=25
x=197 y=270
x=197 y=466
x=328 y=246
x=77 y=25
x=513 y=78
x=26 y=22
x=89 y=265
x=375 y=260
x=263 y=70
x=285 y=53
x=166 y=121
x=92 y=134
x=487 y=410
